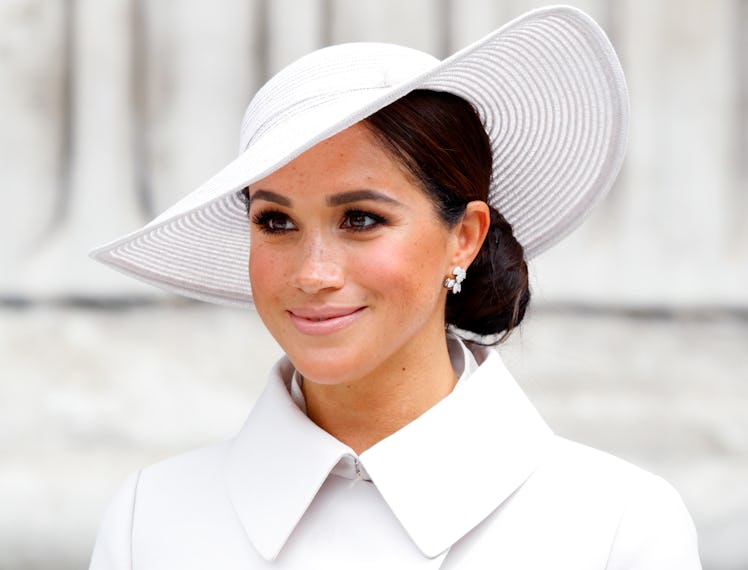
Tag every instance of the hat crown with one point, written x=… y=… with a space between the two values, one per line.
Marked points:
x=328 y=77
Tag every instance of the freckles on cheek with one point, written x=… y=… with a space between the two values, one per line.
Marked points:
x=269 y=276
x=262 y=270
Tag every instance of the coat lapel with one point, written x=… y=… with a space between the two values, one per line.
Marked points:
x=448 y=470
x=277 y=464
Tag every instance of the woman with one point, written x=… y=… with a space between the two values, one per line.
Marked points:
x=387 y=202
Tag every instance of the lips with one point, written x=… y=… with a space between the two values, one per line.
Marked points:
x=323 y=320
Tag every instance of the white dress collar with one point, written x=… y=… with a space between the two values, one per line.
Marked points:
x=441 y=475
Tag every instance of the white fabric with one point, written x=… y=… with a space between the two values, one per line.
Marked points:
x=547 y=86
x=478 y=481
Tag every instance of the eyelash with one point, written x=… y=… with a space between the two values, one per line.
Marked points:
x=377 y=220
x=265 y=218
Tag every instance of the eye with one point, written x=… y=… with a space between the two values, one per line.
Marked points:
x=358 y=220
x=272 y=222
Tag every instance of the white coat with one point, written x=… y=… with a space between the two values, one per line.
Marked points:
x=478 y=481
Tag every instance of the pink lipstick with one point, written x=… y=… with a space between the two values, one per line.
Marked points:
x=323 y=320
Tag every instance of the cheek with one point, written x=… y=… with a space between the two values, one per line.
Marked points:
x=265 y=274
x=405 y=271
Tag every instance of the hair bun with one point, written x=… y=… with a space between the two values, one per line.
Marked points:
x=496 y=292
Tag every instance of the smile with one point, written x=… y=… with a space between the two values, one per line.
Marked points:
x=324 y=320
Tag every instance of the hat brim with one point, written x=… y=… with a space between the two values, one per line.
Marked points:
x=552 y=96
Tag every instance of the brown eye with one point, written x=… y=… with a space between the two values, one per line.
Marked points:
x=358 y=220
x=273 y=222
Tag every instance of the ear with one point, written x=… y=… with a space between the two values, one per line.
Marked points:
x=470 y=232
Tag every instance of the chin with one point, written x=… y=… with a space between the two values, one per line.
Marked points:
x=328 y=366
x=324 y=373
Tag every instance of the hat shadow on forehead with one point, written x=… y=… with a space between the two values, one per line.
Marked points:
x=548 y=88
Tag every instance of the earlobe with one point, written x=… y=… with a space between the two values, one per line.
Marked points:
x=471 y=231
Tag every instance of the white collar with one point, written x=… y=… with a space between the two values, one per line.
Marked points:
x=441 y=475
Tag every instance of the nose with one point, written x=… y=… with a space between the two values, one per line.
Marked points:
x=318 y=266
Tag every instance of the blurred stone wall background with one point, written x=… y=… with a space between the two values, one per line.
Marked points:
x=111 y=109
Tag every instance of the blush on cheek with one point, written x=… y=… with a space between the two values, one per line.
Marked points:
x=262 y=264
x=398 y=273
x=263 y=276
x=386 y=266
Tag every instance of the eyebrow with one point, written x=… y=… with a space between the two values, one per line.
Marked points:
x=339 y=199
x=359 y=195
x=269 y=196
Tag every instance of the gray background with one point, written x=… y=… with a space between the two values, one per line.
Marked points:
x=636 y=343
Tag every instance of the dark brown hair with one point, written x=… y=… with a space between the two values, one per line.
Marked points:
x=440 y=140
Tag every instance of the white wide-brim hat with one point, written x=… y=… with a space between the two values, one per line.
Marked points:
x=549 y=90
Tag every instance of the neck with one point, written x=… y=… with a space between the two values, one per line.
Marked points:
x=364 y=411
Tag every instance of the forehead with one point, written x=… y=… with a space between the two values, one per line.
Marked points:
x=351 y=158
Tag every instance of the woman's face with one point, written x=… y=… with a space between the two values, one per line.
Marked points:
x=347 y=260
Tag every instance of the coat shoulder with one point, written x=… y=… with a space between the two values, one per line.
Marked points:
x=176 y=513
x=594 y=470
x=172 y=489
x=585 y=509
x=190 y=467
x=653 y=528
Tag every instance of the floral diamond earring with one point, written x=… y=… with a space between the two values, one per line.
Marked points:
x=458 y=276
